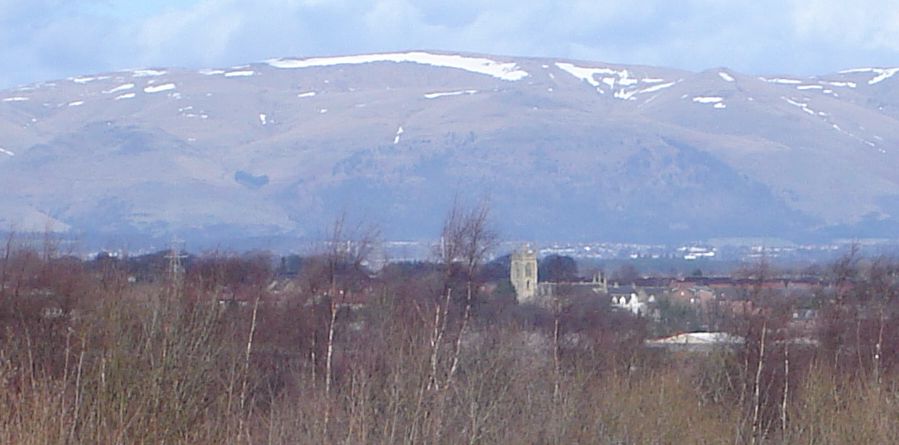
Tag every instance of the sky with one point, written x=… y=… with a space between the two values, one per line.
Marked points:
x=50 y=39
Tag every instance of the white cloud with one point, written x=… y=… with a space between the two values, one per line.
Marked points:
x=200 y=35
x=870 y=24
x=55 y=38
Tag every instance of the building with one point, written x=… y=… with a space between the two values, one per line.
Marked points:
x=697 y=341
x=523 y=274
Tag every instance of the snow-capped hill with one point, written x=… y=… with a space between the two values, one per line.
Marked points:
x=564 y=148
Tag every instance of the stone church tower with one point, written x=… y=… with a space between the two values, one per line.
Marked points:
x=524 y=274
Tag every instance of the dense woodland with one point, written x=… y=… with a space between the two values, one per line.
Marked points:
x=228 y=348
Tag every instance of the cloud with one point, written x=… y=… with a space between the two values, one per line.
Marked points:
x=866 y=24
x=41 y=39
x=56 y=38
x=200 y=35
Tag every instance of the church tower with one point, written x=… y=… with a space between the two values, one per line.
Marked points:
x=523 y=274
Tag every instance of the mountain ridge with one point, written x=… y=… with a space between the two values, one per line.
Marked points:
x=565 y=149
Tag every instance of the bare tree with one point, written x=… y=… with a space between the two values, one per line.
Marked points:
x=466 y=240
x=346 y=251
x=9 y=246
x=50 y=244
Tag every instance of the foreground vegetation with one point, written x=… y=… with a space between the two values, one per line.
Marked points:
x=213 y=353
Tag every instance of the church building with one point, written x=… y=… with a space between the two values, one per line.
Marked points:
x=523 y=274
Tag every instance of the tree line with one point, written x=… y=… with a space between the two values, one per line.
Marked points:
x=214 y=349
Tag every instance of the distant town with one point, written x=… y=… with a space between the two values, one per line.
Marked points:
x=686 y=255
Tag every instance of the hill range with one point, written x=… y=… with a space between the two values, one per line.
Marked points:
x=562 y=149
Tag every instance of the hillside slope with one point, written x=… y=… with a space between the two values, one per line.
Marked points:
x=563 y=149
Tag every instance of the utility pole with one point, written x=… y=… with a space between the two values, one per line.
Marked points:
x=175 y=269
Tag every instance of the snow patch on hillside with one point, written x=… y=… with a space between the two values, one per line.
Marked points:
x=857 y=137
x=85 y=79
x=727 y=77
x=244 y=73
x=619 y=81
x=399 y=132
x=159 y=88
x=715 y=101
x=211 y=72
x=147 y=73
x=842 y=84
x=629 y=94
x=306 y=94
x=7 y=152
x=125 y=96
x=76 y=103
x=120 y=88
x=655 y=88
x=881 y=73
x=449 y=93
x=822 y=88
x=505 y=71
x=16 y=99
x=801 y=105
x=263 y=119
x=584 y=74
x=782 y=81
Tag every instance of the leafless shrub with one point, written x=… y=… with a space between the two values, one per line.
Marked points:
x=129 y=364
